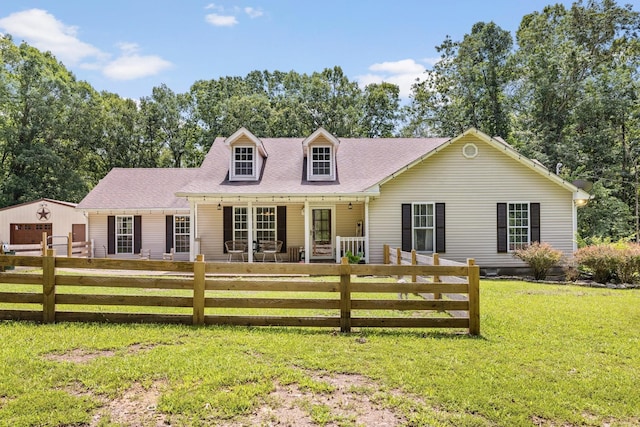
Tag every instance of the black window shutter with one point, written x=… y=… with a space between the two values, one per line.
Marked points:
x=502 y=227
x=137 y=234
x=169 y=233
x=111 y=234
x=534 y=212
x=282 y=226
x=440 y=229
x=227 y=224
x=406 y=227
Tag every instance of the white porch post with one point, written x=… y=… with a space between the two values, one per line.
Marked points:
x=366 y=230
x=249 y=231
x=193 y=213
x=307 y=231
x=574 y=220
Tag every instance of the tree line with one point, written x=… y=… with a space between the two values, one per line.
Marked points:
x=563 y=91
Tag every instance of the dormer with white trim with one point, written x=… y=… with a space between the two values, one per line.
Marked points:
x=247 y=156
x=320 y=149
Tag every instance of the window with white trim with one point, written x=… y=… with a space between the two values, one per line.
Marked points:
x=518 y=225
x=124 y=234
x=321 y=161
x=265 y=223
x=243 y=162
x=240 y=224
x=423 y=227
x=182 y=231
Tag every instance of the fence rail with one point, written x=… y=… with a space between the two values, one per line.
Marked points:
x=204 y=293
x=72 y=249
x=448 y=278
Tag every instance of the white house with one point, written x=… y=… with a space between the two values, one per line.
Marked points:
x=471 y=196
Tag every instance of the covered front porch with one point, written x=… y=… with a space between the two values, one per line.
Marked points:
x=320 y=229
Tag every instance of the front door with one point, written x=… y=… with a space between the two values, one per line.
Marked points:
x=322 y=235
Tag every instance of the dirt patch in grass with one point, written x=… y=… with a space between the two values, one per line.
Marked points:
x=80 y=355
x=349 y=403
x=135 y=407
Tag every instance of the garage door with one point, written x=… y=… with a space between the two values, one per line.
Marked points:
x=26 y=234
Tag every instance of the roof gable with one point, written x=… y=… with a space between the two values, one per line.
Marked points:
x=243 y=134
x=320 y=135
x=499 y=144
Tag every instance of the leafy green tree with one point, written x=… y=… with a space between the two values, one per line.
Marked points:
x=467 y=87
x=381 y=116
x=37 y=159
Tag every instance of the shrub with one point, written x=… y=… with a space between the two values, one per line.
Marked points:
x=540 y=257
x=353 y=259
x=602 y=261
x=629 y=262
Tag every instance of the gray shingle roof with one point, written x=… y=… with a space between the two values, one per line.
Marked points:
x=361 y=164
x=140 y=188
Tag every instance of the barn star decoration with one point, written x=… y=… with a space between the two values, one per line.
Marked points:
x=43 y=213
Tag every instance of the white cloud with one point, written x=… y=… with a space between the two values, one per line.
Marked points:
x=221 y=20
x=133 y=66
x=252 y=12
x=130 y=65
x=403 y=73
x=43 y=31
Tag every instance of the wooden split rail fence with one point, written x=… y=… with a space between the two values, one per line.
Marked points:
x=72 y=249
x=223 y=293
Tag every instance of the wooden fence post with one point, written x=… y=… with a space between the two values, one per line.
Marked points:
x=474 y=297
x=198 y=290
x=70 y=245
x=49 y=287
x=436 y=279
x=414 y=261
x=345 y=295
x=44 y=243
x=385 y=254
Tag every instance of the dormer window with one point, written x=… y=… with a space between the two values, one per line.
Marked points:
x=243 y=162
x=320 y=149
x=321 y=161
x=247 y=156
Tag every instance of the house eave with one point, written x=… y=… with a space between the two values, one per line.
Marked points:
x=538 y=167
x=279 y=197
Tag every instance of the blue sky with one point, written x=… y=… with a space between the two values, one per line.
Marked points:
x=130 y=46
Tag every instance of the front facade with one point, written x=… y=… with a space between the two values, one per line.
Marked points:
x=467 y=197
x=24 y=224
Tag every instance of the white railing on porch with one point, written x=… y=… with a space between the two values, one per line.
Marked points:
x=357 y=246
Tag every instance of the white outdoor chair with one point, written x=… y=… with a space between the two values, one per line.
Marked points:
x=235 y=247
x=168 y=255
x=145 y=253
x=271 y=247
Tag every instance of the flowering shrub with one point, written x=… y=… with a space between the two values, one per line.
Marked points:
x=541 y=257
x=608 y=262
x=599 y=260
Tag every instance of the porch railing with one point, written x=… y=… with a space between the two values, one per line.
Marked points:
x=356 y=245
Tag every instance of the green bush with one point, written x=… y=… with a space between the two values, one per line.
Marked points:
x=613 y=261
x=601 y=261
x=541 y=257
x=628 y=266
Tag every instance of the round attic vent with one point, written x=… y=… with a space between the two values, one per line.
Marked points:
x=470 y=150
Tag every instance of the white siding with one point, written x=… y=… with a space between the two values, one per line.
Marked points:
x=210 y=232
x=471 y=188
x=61 y=218
x=153 y=235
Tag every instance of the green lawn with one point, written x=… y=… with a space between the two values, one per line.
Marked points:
x=548 y=355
